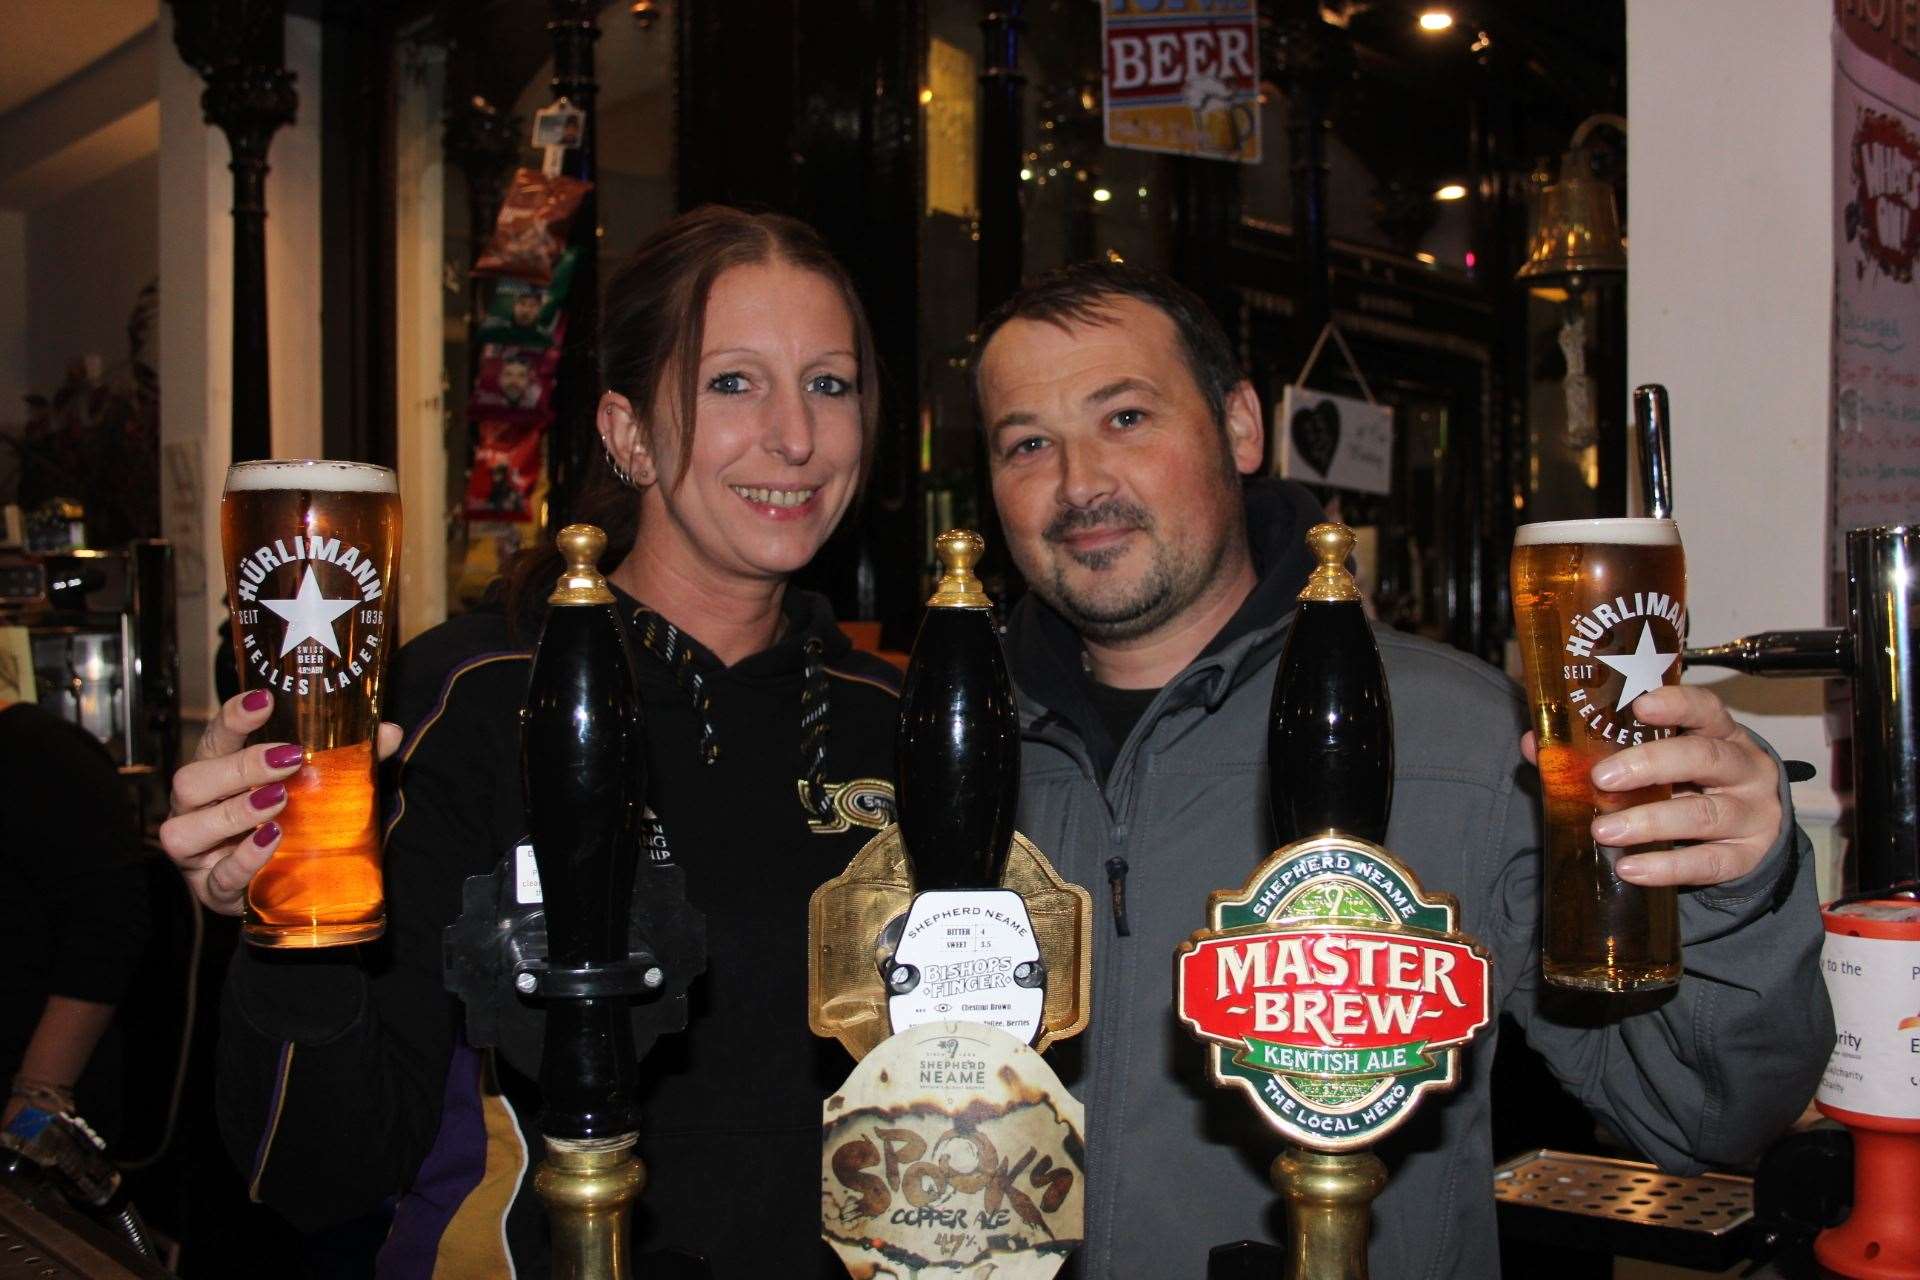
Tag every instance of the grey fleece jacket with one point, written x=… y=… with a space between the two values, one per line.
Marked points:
x=1177 y=1165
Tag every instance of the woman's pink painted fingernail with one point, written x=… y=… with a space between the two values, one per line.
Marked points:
x=266 y=835
x=269 y=796
x=285 y=755
x=258 y=700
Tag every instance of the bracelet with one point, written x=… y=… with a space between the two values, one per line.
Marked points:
x=43 y=1094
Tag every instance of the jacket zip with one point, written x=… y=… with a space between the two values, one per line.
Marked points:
x=1117 y=892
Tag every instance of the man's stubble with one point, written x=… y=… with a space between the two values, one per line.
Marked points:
x=1173 y=581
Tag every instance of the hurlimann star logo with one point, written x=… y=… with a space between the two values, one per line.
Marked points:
x=1333 y=991
x=1616 y=652
x=310 y=616
x=331 y=615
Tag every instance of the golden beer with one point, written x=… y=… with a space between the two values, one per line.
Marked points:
x=1601 y=608
x=310 y=549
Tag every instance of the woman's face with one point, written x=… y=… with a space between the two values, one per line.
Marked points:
x=775 y=455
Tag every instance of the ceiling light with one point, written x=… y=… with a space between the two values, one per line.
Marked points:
x=1435 y=20
x=1452 y=191
x=1102 y=195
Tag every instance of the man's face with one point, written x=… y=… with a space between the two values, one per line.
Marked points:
x=1117 y=491
x=514 y=377
x=526 y=308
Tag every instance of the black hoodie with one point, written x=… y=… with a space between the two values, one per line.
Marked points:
x=346 y=1081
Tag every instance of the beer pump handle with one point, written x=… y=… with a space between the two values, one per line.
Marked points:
x=1330 y=727
x=581 y=763
x=1653 y=442
x=957 y=749
x=1824 y=653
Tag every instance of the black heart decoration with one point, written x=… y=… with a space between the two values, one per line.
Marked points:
x=1316 y=434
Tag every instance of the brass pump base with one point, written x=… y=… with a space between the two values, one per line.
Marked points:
x=589 y=1188
x=1328 y=1198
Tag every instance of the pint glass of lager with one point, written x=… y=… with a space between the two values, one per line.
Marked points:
x=310 y=551
x=1600 y=607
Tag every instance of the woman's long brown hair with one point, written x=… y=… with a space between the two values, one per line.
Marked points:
x=652 y=322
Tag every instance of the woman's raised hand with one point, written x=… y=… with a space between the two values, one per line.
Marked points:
x=222 y=827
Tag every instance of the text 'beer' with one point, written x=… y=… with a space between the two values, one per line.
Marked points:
x=1600 y=607
x=310 y=551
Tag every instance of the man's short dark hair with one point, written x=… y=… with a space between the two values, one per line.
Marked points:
x=1082 y=293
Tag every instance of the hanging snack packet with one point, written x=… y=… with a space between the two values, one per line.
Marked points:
x=506 y=470
x=531 y=232
x=526 y=314
x=515 y=382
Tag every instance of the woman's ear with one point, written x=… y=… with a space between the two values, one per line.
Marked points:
x=624 y=439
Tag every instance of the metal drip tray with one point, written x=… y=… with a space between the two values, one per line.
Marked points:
x=1625 y=1207
x=40 y=1242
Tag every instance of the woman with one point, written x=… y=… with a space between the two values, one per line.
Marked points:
x=741 y=406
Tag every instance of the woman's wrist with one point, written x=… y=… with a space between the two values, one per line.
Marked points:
x=48 y=1095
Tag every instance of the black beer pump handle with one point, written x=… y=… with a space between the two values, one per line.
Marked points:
x=957 y=750
x=1653 y=442
x=1330 y=728
x=581 y=763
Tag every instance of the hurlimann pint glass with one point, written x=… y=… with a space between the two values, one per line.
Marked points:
x=1600 y=607
x=310 y=548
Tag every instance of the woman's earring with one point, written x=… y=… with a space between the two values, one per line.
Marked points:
x=641 y=480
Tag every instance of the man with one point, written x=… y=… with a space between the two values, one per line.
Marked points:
x=1118 y=427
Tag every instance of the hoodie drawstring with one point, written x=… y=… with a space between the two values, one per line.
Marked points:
x=670 y=646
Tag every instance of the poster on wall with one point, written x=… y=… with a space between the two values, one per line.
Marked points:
x=1182 y=79
x=1874 y=477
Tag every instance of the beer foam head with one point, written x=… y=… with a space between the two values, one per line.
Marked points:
x=1632 y=532
x=313 y=474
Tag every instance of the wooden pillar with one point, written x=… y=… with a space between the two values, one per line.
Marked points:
x=574 y=29
x=1001 y=85
x=1311 y=60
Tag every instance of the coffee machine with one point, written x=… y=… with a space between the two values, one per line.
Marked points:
x=100 y=650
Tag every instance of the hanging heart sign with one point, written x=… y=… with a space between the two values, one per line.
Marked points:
x=1316 y=434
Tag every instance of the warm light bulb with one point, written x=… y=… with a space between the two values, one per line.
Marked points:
x=1452 y=191
x=1427 y=258
x=1435 y=20
x=926 y=96
x=1102 y=195
x=1026 y=175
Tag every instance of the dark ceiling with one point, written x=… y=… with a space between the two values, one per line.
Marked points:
x=1527 y=70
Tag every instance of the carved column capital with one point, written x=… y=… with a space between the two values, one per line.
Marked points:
x=250 y=104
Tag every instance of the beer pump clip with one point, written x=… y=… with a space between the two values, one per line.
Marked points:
x=1331 y=988
x=575 y=954
x=944 y=958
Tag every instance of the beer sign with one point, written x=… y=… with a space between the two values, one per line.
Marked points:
x=1333 y=990
x=1183 y=78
